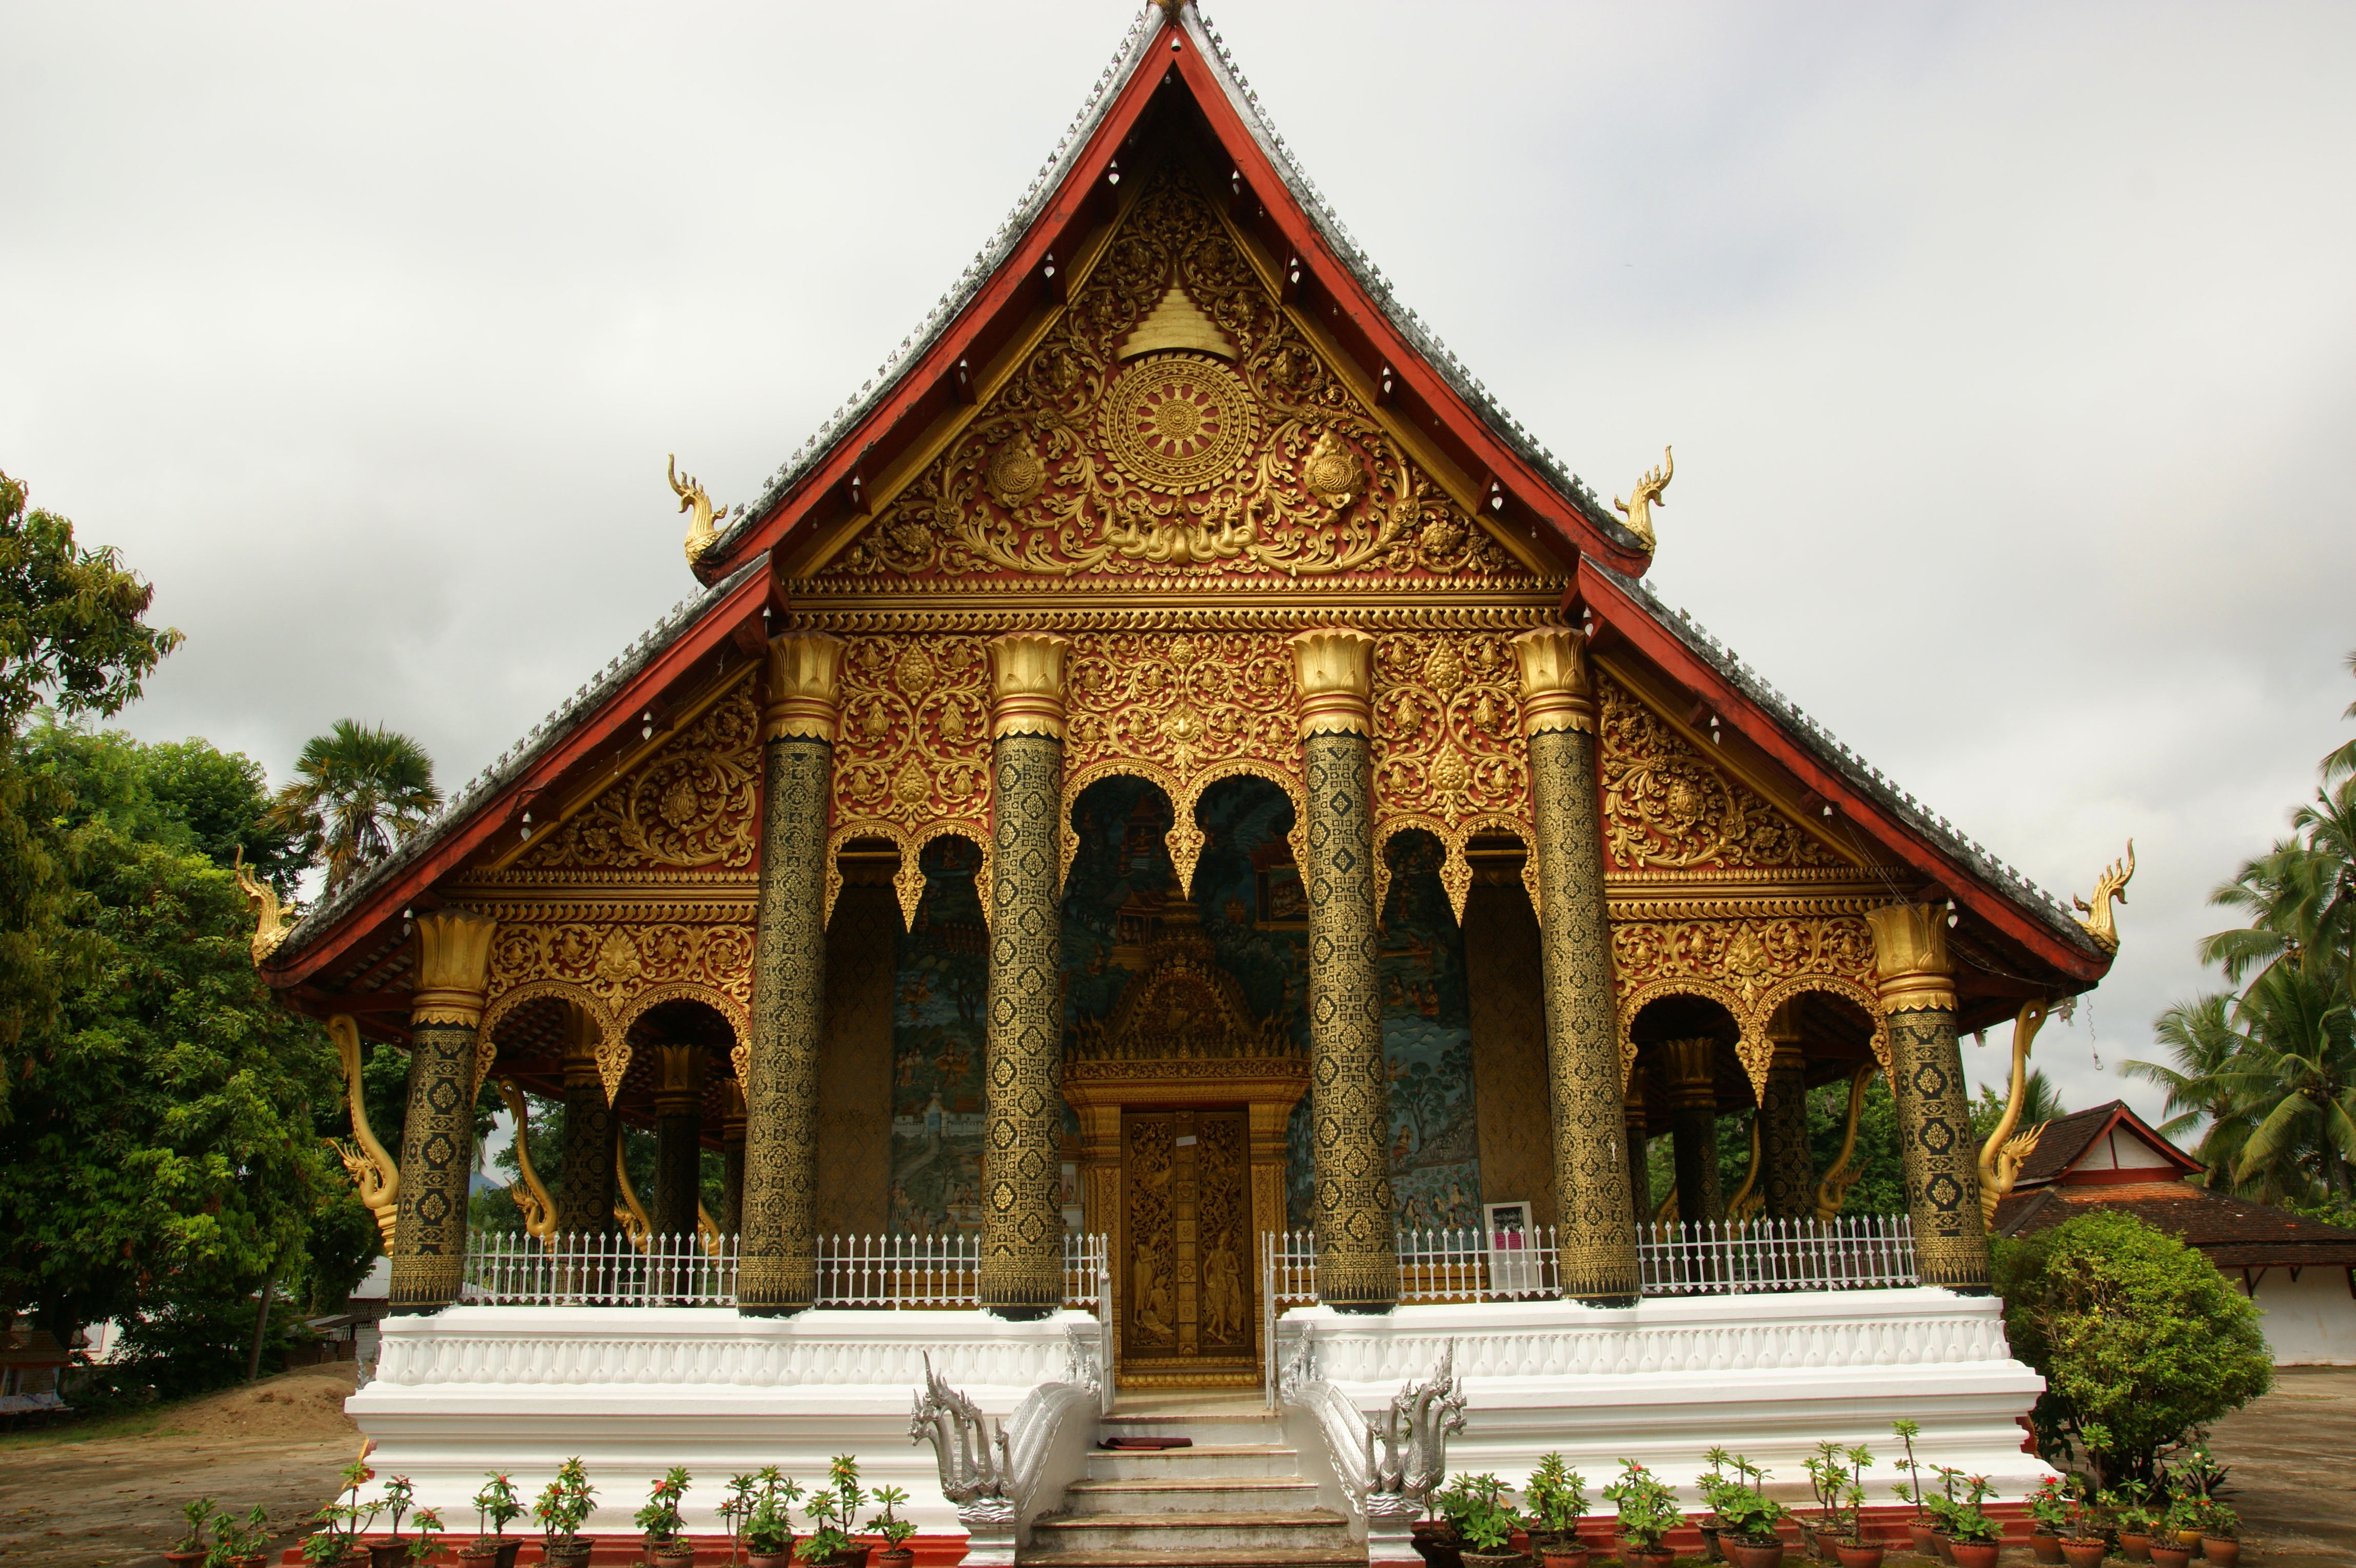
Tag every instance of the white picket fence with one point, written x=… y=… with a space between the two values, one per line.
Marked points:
x=605 y=1269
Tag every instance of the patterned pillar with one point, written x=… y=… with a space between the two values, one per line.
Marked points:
x=437 y=1140
x=584 y=1189
x=777 y=1274
x=1640 y=1168
x=1023 y=1130
x=732 y=1158
x=1783 y=1121
x=679 y=1140
x=1358 y=1256
x=1934 y=1121
x=1597 y=1234
x=1693 y=1129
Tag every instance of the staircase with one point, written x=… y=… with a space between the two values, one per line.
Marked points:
x=1235 y=1499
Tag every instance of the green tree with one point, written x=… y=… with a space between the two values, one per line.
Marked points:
x=2039 y=1102
x=357 y=793
x=2141 y=1342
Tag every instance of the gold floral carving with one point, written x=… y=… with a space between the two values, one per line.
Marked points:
x=619 y=969
x=1665 y=805
x=691 y=804
x=912 y=755
x=1450 y=757
x=1183 y=712
x=1086 y=462
x=1749 y=966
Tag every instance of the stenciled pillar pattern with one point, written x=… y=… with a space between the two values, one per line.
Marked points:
x=1640 y=1168
x=584 y=1186
x=1935 y=1122
x=732 y=1158
x=1597 y=1234
x=1693 y=1129
x=1791 y=1171
x=777 y=1271
x=678 y=1139
x=437 y=1140
x=1023 y=1126
x=1357 y=1254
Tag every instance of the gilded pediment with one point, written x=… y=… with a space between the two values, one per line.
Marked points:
x=1669 y=806
x=1172 y=422
x=687 y=804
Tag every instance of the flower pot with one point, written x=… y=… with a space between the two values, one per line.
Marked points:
x=1635 y=1556
x=1925 y=1537
x=672 y=1554
x=1865 y=1556
x=1974 y=1554
x=507 y=1552
x=1747 y=1553
x=574 y=1553
x=1942 y=1547
x=1435 y=1541
x=2134 y=1546
x=479 y=1554
x=896 y=1557
x=1569 y=1554
x=2085 y=1553
x=2224 y=1550
x=390 y=1553
x=250 y=1560
x=2045 y=1545
x=1494 y=1559
x=770 y=1559
x=2167 y=1554
x=1710 y=1550
x=186 y=1559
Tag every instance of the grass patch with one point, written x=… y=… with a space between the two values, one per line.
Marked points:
x=153 y=1421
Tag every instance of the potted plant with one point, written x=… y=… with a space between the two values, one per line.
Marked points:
x=190 y=1549
x=2178 y=1540
x=1435 y=1538
x=2219 y=1541
x=562 y=1509
x=1556 y=1496
x=1850 y=1548
x=495 y=1505
x=2049 y=1514
x=399 y=1497
x=1710 y=1483
x=340 y=1522
x=1920 y=1529
x=769 y=1522
x=1747 y=1518
x=660 y=1521
x=2082 y=1542
x=832 y=1509
x=237 y=1543
x=735 y=1508
x=1973 y=1538
x=1485 y=1522
x=1648 y=1511
x=894 y=1529
x=429 y=1525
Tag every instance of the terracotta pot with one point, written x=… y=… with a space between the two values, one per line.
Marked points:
x=670 y=1554
x=896 y=1557
x=1494 y=1559
x=1571 y=1555
x=1942 y=1547
x=1435 y=1541
x=770 y=1559
x=2135 y=1548
x=185 y=1559
x=2169 y=1553
x=2224 y=1550
x=1974 y=1554
x=250 y=1560
x=1867 y=1556
x=478 y=1554
x=2045 y=1545
x=2086 y=1554
x=387 y=1553
x=1925 y=1537
x=576 y=1555
x=1635 y=1556
x=1710 y=1550
x=1745 y=1553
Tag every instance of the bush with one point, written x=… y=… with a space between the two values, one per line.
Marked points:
x=2141 y=1341
x=194 y=1347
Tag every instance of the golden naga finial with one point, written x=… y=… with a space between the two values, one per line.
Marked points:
x=629 y=1213
x=1639 y=512
x=530 y=1195
x=272 y=921
x=374 y=1174
x=1833 y=1190
x=2004 y=1154
x=693 y=500
x=2112 y=884
x=1749 y=1199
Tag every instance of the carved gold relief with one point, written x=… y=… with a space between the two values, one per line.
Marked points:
x=689 y=805
x=912 y=757
x=1665 y=805
x=1450 y=757
x=1748 y=966
x=618 y=970
x=1124 y=444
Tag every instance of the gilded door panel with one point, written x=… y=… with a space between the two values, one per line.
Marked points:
x=1188 y=1291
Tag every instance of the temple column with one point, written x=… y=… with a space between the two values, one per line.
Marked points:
x=1022 y=1129
x=1791 y=1170
x=1357 y=1256
x=1935 y=1122
x=732 y=1158
x=1640 y=1168
x=1596 y=1233
x=437 y=1140
x=777 y=1274
x=1693 y=1129
x=679 y=1140
x=584 y=1188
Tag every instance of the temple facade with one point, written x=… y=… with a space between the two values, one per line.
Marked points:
x=1173 y=766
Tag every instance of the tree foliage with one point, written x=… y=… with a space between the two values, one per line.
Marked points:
x=356 y=793
x=2141 y=1341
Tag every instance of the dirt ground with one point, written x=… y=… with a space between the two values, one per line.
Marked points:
x=116 y=1500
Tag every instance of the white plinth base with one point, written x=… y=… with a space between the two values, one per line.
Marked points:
x=1766 y=1376
x=634 y=1390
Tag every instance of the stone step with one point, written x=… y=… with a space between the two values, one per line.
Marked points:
x=1191 y=1494
x=1310 y=1530
x=1203 y=1459
x=1198 y=1557
x=1223 y=1421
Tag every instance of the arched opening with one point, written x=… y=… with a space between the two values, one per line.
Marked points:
x=1688 y=1083
x=939 y=989
x=677 y=1099
x=1505 y=1008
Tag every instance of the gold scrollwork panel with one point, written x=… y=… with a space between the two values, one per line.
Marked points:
x=1665 y=805
x=690 y=804
x=617 y=967
x=1448 y=753
x=911 y=752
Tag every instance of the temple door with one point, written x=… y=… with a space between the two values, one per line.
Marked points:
x=1190 y=1289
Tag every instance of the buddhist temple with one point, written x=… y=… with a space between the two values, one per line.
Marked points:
x=1175 y=857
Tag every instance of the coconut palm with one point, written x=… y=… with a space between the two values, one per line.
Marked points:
x=357 y=793
x=2297 y=1073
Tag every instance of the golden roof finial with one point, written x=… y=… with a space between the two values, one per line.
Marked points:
x=2112 y=884
x=272 y=921
x=693 y=499
x=2005 y=1152
x=375 y=1176
x=1639 y=510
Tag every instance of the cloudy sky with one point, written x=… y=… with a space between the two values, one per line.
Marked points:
x=2010 y=351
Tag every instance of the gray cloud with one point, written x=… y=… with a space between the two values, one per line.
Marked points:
x=2007 y=350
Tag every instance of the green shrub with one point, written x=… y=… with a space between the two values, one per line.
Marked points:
x=2141 y=1341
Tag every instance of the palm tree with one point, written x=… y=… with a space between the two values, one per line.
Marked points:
x=359 y=793
x=2201 y=1036
x=2298 y=1074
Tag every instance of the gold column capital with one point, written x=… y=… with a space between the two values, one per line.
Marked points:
x=804 y=668
x=1556 y=691
x=1693 y=1072
x=1783 y=1032
x=732 y=1108
x=1027 y=683
x=679 y=1087
x=453 y=967
x=1910 y=957
x=1334 y=667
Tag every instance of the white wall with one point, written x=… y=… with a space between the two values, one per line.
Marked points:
x=2311 y=1321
